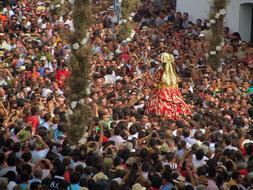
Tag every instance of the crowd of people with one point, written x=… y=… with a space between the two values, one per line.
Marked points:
x=124 y=147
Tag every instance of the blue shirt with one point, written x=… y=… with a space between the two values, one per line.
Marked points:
x=41 y=71
x=74 y=187
x=24 y=186
x=168 y=186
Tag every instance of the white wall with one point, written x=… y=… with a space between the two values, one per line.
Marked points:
x=232 y=16
x=238 y=18
x=195 y=8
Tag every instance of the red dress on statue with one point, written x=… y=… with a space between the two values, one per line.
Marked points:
x=166 y=101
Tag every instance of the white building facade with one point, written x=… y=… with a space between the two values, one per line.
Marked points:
x=239 y=17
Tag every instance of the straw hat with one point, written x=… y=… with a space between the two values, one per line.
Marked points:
x=138 y=186
x=100 y=176
x=165 y=148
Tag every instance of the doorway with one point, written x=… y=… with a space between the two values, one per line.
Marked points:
x=251 y=38
x=246 y=22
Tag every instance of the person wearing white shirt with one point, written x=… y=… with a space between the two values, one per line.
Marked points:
x=46 y=92
x=49 y=65
x=228 y=142
x=199 y=159
x=190 y=140
x=2 y=81
x=133 y=132
x=116 y=138
x=187 y=138
x=230 y=147
x=38 y=155
x=109 y=78
x=69 y=22
x=11 y=185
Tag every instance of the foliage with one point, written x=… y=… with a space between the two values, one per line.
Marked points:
x=58 y=10
x=80 y=70
x=75 y=88
x=79 y=121
x=82 y=15
x=128 y=6
x=101 y=6
x=125 y=31
x=217 y=32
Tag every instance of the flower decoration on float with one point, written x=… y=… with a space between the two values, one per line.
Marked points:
x=218 y=48
x=222 y=12
x=222 y=44
x=212 y=22
x=217 y=15
x=212 y=52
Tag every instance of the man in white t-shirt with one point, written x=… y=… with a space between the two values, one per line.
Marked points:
x=38 y=155
x=199 y=159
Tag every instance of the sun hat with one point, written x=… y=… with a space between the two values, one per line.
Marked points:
x=165 y=148
x=178 y=179
x=107 y=162
x=20 y=122
x=201 y=35
x=129 y=145
x=43 y=58
x=201 y=187
x=204 y=148
x=100 y=176
x=83 y=188
x=138 y=186
x=130 y=161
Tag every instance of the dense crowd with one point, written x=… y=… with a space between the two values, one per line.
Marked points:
x=124 y=148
